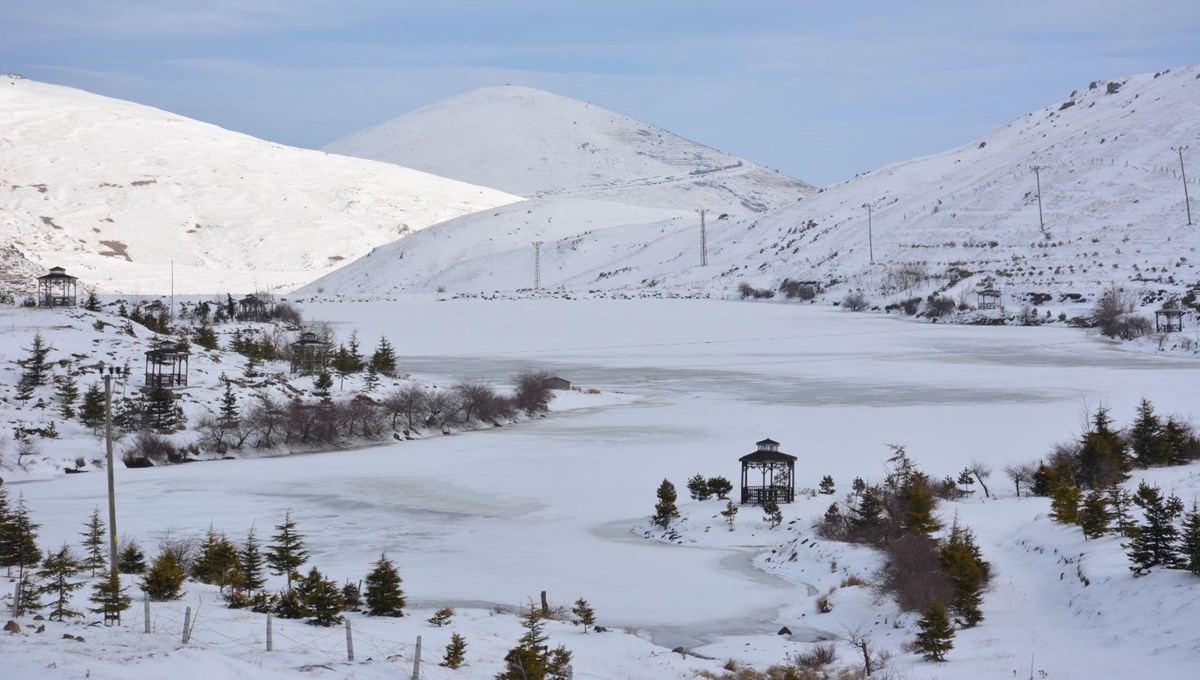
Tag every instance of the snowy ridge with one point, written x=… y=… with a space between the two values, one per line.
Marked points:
x=114 y=191
x=1112 y=200
x=539 y=144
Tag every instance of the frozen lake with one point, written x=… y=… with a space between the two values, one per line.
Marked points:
x=497 y=516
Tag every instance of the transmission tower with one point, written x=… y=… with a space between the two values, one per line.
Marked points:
x=703 y=239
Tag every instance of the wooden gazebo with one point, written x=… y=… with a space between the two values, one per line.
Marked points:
x=988 y=295
x=309 y=354
x=167 y=366
x=1169 y=319
x=777 y=471
x=57 y=289
x=252 y=308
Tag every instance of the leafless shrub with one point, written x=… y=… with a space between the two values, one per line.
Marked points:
x=532 y=394
x=288 y=314
x=151 y=446
x=407 y=407
x=937 y=306
x=797 y=289
x=479 y=402
x=905 y=277
x=1021 y=475
x=819 y=656
x=855 y=301
x=913 y=573
x=748 y=291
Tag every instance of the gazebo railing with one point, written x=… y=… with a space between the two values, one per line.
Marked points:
x=757 y=495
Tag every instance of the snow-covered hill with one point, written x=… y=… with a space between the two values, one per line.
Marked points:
x=1112 y=200
x=538 y=144
x=114 y=192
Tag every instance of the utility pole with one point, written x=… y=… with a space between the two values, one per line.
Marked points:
x=1037 y=172
x=112 y=490
x=870 y=238
x=537 y=265
x=1186 y=201
x=703 y=239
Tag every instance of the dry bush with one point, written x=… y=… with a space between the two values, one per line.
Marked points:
x=855 y=301
x=913 y=573
x=819 y=656
x=796 y=289
x=937 y=306
x=532 y=395
x=153 y=448
x=853 y=580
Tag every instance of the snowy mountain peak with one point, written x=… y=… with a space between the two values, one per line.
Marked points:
x=539 y=144
x=115 y=191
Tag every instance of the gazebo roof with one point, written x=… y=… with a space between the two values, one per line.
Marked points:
x=57 y=273
x=169 y=349
x=768 y=452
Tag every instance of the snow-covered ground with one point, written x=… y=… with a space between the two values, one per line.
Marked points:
x=494 y=517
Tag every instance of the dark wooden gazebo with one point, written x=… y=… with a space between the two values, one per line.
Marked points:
x=988 y=295
x=777 y=475
x=167 y=366
x=1169 y=319
x=252 y=308
x=57 y=289
x=309 y=354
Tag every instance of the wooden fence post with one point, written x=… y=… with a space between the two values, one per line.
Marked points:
x=146 y=609
x=270 y=641
x=417 y=661
x=187 y=624
x=349 y=643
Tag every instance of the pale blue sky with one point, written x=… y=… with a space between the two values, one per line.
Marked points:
x=820 y=90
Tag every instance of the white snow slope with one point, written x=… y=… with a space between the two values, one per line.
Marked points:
x=1112 y=199
x=114 y=191
x=538 y=144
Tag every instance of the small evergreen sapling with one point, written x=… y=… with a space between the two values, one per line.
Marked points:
x=772 y=515
x=1154 y=542
x=441 y=617
x=109 y=597
x=937 y=634
x=91 y=413
x=584 y=615
x=93 y=543
x=286 y=554
x=18 y=539
x=321 y=598
x=165 y=576
x=58 y=570
x=826 y=486
x=532 y=658
x=384 y=595
x=720 y=487
x=1189 y=549
x=131 y=560
x=730 y=513
x=250 y=560
x=456 y=652
x=1094 y=515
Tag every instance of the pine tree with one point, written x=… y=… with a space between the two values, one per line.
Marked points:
x=1103 y=455
x=584 y=615
x=131 y=559
x=57 y=571
x=92 y=304
x=1119 y=503
x=384 y=595
x=1154 y=542
x=826 y=486
x=665 y=510
x=383 y=361
x=936 y=636
x=1189 y=545
x=1064 y=503
x=1180 y=442
x=720 y=487
x=322 y=384
x=91 y=413
x=441 y=617
x=217 y=563
x=1094 y=515
x=18 y=539
x=532 y=658
x=730 y=513
x=286 y=554
x=321 y=598
x=165 y=576
x=158 y=409
x=229 y=405
x=67 y=392
x=206 y=337
x=35 y=368
x=93 y=543
x=110 y=597
x=869 y=510
x=456 y=652
x=772 y=515
x=1146 y=437
x=370 y=380
x=698 y=488
x=960 y=555
x=919 y=502
x=250 y=560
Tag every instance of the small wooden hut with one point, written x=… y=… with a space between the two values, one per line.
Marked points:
x=776 y=471
x=252 y=308
x=57 y=289
x=167 y=366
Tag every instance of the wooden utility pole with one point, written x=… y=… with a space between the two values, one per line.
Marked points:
x=112 y=495
x=537 y=265
x=703 y=239
x=1037 y=173
x=1186 y=201
x=870 y=239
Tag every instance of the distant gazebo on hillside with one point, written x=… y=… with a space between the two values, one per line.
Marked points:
x=777 y=471
x=252 y=308
x=57 y=289
x=1169 y=319
x=988 y=294
x=167 y=366
x=309 y=354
